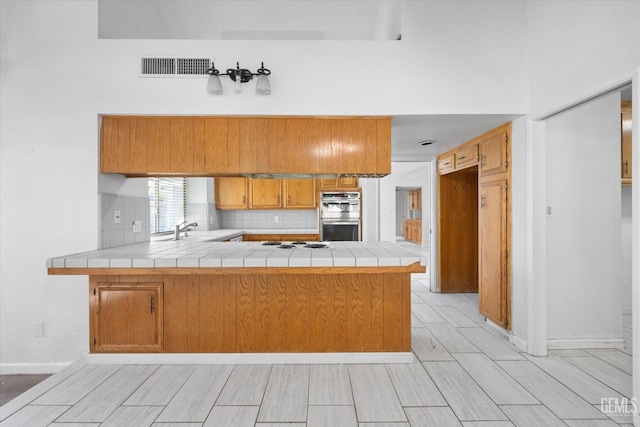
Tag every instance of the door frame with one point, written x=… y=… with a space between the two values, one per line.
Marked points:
x=536 y=273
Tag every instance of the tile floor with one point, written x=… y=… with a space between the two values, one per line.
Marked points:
x=465 y=373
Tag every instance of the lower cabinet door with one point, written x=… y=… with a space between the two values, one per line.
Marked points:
x=126 y=317
x=493 y=287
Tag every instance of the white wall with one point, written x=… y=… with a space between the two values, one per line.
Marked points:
x=577 y=47
x=583 y=230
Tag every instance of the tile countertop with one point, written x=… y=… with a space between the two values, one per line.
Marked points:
x=201 y=252
x=226 y=234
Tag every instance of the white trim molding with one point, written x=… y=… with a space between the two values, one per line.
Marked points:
x=247 y=358
x=32 y=368
x=584 y=343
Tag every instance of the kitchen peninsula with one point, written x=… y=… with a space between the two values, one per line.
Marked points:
x=202 y=296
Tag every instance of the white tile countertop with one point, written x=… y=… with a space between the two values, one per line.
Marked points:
x=227 y=233
x=202 y=252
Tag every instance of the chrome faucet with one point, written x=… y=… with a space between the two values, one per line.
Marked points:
x=180 y=229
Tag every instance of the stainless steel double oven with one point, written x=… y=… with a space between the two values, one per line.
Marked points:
x=340 y=216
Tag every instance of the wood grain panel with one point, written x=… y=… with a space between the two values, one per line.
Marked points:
x=175 y=314
x=233 y=147
x=299 y=157
x=378 y=321
x=181 y=144
x=277 y=300
x=263 y=315
x=458 y=231
x=383 y=149
x=341 y=332
x=214 y=145
x=246 y=309
x=121 y=149
x=138 y=141
x=298 y=295
x=158 y=145
x=299 y=193
x=321 y=318
x=108 y=144
x=211 y=316
x=358 y=313
x=281 y=313
x=229 y=313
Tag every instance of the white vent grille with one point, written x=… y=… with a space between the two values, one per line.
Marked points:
x=173 y=67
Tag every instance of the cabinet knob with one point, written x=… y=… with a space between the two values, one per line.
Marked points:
x=482 y=202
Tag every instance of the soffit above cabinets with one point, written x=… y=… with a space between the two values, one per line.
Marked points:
x=258 y=147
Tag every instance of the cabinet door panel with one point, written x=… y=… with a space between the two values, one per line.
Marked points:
x=265 y=193
x=493 y=240
x=231 y=193
x=493 y=154
x=159 y=145
x=128 y=317
x=261 y=142
x=300 y=193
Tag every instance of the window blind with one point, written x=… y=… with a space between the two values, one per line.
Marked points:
x=167 y=198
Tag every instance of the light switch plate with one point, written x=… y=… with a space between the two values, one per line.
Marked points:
x=116 y=217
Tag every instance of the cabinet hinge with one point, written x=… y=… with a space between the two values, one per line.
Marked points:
x=506 y=185
x=94 y=291
x=506 y=254
x=506 y=137
x=506 y=163
x=94 y=341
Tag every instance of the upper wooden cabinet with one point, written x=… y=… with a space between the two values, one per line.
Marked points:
x=446 y=163
x=339 y=183
x=626 y=144
x=265 y=193
x=218 y=146
x=299 y=193
x=231 y=193
x=493 y=152
x=237 y=193
x=466 y=156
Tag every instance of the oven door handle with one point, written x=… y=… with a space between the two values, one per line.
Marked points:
x=340 y=222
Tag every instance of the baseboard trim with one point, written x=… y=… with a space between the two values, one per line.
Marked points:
x=518 y=342
x=576 y=344
x=32 y=368
x=248 y=358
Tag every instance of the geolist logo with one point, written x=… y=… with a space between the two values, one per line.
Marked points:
x=613 y=405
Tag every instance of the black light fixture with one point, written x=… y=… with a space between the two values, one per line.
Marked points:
x=239 y=76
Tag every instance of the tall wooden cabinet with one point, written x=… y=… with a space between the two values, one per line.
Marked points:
x=474 y=222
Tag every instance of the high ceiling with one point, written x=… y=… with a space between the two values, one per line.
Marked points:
x=320 y=19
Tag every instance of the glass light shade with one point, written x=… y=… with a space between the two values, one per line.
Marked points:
x=238 y=86
x=214 y=87
x=263 y=87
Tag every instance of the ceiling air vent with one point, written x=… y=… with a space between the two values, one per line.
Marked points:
x=173 y=67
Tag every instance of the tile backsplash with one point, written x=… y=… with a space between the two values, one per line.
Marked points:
x=131 y=209
x=266 y=219
x=205 y=214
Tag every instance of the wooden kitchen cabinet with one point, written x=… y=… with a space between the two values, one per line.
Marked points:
x=415 y=200
x=126 y=317
x=227 y=146
x=493 y=152
x=446 y=164
x=231 y=193
x=412 y=229
x=493 y=247
x=474 y=223
x=347 y=183
x=466 y=156
x=281 y=237
x=626 y=164
x=265 y=193
x=300 y=194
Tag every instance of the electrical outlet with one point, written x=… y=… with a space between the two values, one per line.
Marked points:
x=276 y=219
x=38 y=329
x=116 y=217
x=137 y=226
